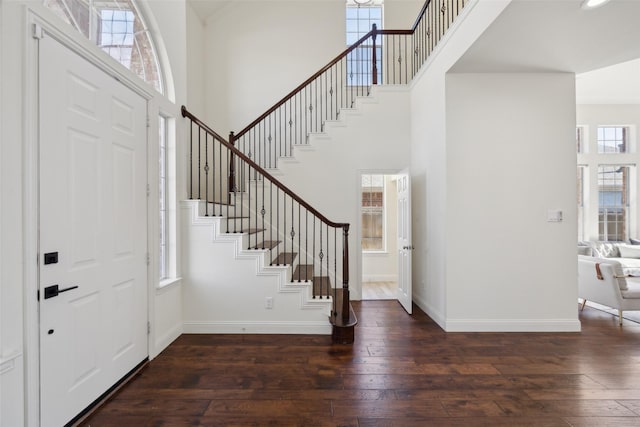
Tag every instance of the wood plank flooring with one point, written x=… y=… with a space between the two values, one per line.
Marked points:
x=379 y=290
x=402 y=371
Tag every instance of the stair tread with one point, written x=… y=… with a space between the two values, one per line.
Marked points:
x=247 y=231
x=322 y=286
x=267 y=244
x=303 y=272
x=285 y=258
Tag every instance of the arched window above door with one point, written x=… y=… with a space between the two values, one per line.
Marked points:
x=118 y=28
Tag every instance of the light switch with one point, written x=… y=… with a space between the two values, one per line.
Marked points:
x=554 y=215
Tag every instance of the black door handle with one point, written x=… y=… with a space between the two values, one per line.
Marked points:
x=54 y=290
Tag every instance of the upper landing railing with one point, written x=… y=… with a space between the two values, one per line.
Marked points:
x=381 y=57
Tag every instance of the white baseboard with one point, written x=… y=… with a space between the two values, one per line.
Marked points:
x=166 y=339
x=379 y=277
x=239 y=327
x=512 y=325
x=496 y=325
x=430 y=311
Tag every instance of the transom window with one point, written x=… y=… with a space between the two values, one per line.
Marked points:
x=612 y=139
x=117 y=28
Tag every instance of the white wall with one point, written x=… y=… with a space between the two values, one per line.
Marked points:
x=591 y=117
x=510 y=158
x=429 y=158
x=195 y=63
x=374 y=137
x=257 y=52
x=228 y=295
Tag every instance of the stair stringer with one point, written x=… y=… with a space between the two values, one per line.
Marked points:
x=318 y=310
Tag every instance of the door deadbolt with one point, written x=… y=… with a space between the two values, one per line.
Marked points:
x=54 y=290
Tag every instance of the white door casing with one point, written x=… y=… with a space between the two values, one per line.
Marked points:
x=92 y=212
x=404 y=240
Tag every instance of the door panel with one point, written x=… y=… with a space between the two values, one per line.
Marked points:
x=404 y=240
x=93 y=214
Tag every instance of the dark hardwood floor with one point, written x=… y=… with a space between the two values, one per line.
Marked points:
x=402 y=371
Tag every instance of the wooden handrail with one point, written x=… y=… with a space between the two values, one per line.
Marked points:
x=333 y=62
x=422 y=13
x=305 y=83
x=263 y=172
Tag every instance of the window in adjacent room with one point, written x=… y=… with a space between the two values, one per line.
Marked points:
x=373 y=213
x=581 y=196
x=613 y=202
x=580 y=142
x=613 y=139
x=360 y=17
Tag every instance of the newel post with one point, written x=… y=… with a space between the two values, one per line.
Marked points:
x=374 y=67
x=232 y=168
x=345 y=273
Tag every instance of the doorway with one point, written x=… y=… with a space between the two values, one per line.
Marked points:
x=378 y=236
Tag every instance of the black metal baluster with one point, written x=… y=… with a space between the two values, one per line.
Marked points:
x=313 y=260
x=225 y=199
x=271 y=219
x=206 y=174
x=306 y=245
x=199 y=164
x=262 y=212
x=226 y=163
x=284 y=223
x=191 y=159
x=321 y=256
x=299 y=233
x=335 y=256
x=293 y=235
x=277 y=223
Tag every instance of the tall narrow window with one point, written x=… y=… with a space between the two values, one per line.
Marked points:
x=612 y=139
x=373 y=213
x=580 y=148
x=361 y=16
x=581 y=196
x=613 y=202
x=162 y=199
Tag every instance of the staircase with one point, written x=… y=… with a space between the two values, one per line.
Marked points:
x=233 y=193
x=242 y=203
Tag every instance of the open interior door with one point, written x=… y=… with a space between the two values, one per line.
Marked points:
x=404 y=240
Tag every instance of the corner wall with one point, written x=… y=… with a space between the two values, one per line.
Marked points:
x=429 y=157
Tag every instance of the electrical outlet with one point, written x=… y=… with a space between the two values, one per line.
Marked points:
x=268 y=302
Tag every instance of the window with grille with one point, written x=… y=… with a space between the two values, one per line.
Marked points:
x=117 y=27
x=613 y=202
x=373 y=220
x=359 y=21
x=612 y=139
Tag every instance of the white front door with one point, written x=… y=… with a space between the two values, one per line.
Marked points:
x=92 y=232
x=404 y=240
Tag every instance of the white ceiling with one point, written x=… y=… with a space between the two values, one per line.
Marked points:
x=206 y=8
x=601 y=45
x=556 y=35
x=618 y=84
